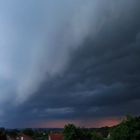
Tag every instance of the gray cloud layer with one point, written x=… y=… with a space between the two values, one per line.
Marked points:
x=71 y=60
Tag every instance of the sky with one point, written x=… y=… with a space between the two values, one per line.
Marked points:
x=71 y=61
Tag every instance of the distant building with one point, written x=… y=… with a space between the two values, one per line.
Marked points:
x=55 y=136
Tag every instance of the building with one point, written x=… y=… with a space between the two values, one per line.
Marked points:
x=55 y=136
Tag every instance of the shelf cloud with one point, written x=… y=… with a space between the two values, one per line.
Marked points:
x=68 y=60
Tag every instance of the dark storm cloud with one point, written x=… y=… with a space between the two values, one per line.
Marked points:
x=102 y=78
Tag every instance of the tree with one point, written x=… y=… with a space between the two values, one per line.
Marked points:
x=129 y=129
x=28 y=131
x=70 y=132
x=13 y=132
x=96 y=136
x=2 y=134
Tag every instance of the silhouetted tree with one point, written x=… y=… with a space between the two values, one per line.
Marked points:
x=28 y=131
x=129 y=129
x=97 y=136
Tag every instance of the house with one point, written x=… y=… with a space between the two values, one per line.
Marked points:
x=55 y=136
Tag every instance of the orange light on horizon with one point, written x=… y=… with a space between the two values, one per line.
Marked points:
x=82 y=123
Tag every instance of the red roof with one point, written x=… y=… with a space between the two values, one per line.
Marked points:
x=56 y=136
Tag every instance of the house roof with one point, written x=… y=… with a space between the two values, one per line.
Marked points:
x=56 y=136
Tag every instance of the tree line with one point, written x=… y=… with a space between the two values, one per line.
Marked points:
x=128 y=129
